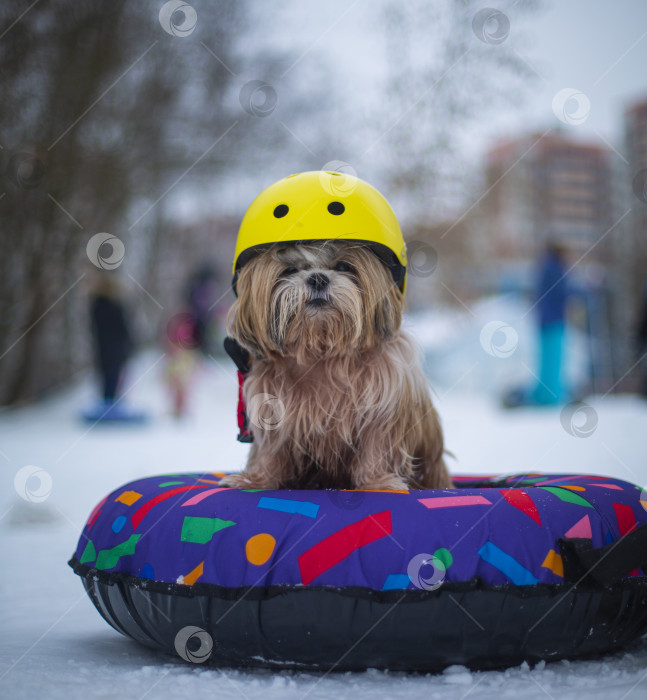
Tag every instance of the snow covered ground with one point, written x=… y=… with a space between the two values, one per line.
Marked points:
x=55 y=645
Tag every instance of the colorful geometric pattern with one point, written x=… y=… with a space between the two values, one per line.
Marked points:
x=184 y=528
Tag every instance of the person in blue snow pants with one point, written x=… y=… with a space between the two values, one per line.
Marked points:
x=552 y=296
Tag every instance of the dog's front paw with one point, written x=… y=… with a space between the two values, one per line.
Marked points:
x=243 y=481
x=234 y=481
x=387 y=483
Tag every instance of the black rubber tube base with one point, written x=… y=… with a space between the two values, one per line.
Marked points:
x=324 y=629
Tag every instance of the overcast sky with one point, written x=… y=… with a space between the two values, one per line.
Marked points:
x=596 y=46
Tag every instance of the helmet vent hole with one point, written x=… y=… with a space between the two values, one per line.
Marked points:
x=281 y=211
x=336 y=208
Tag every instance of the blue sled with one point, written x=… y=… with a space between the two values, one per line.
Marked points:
x=113 y=412
x=520 y=397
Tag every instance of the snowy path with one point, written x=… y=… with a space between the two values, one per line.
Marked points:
x=55 y=645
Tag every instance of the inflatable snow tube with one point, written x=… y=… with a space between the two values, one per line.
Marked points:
x=502 y=570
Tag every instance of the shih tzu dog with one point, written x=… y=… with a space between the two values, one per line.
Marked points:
x=335 y=395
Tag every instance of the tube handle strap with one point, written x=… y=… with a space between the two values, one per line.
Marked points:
x=607 y=565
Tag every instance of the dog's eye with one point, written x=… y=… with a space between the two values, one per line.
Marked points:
x=289 y=271
x=342 y=266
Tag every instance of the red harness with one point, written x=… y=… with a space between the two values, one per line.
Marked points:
x=243 y=433
x=240 y=356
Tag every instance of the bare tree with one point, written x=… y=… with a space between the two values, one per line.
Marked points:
x=449 y=64
x=109 y=111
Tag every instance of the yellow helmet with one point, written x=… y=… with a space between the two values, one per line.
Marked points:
x=321 y=205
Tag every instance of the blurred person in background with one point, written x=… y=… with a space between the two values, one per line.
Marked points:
x=110 y=333
x=641 y=343
x=201 y=297
x=552 y=295
x=182 y=360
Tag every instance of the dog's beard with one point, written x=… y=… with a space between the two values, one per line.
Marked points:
x=310 y=323
x=280 y=311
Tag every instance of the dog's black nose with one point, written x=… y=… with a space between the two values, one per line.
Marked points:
x=318 y=281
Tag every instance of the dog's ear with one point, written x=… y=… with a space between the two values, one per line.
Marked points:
x=382 y=301
x=244 y=320
x=387 y=314
x=239 y=326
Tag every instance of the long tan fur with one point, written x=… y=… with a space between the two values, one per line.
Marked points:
x=336 y=396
